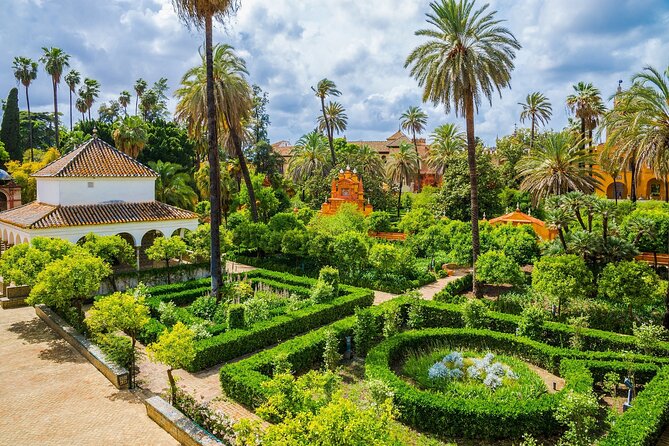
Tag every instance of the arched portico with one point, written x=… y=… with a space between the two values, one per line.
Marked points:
x=616 y=190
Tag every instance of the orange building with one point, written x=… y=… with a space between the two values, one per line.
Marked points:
x=517 y=218
x=346 y=188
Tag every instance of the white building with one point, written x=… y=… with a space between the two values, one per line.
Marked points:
x=95 y=188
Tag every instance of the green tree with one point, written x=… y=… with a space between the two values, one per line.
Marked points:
x=350 y=252
x=632 y=283
x=89 y=92
x=172 y=185
x=69 y=281
x=260 y=119
x=124 y=101
x=140 y=87
x=447 y=142
x=22 y=263
x=323 y=89
x=176 y=349
x=9 y=130
x=537 y=108
x=167 y=249
x=113 y=249
x=402 y=166
x=25 y=71
x=414 y=120
x=468 y=56
x=555 y=166
x=120 y=312
x=510 y=150
x=55 y=61
x=130 y=135
x=495 y=268
x=336 y=119
x=308 y=158
x=386 y=258
x=153 y=103
x=585 y=103
x=168 y=142
x=561 y=279
x=72 y=79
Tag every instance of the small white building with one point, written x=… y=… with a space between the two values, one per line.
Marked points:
x=95 y=188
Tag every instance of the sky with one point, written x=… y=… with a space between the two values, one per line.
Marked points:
x=289 y=45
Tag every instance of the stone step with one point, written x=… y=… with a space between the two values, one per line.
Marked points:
x=12 y=302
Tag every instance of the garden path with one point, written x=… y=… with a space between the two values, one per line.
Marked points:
x=51 y=395
x=664 y=439
x=428 y=291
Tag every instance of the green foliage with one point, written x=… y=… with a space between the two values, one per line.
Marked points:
x=199 y=241
x=347 y=218
x=578 y=412
x=167 y=142
x=117 y=349
x=474 y=314
x=112 y=249
x=175 y=348
x=386 y=258
x=633 y=283
x=295 y=242
x=166 y=249
x=331 y=356
x=350 y=252
x=204 y=307
x=330 y=276
x=365 y=331
x=392 y=321
x=378 y=221
x=210 y=419
x=118 y=312
x=9 y=129
x=23 y=262
x=610 y=383
x=456 y=287
x=531 y=322
x=519 y=243
x=416 y=220
x=649 y=337
x=321 y=292
x=562 y=278
x=169 y=313
x=494 y=268
x=236 y=316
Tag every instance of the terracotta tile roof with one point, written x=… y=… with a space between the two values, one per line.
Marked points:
x=42 y=216
x=95 y=158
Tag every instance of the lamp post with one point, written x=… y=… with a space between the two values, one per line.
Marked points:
x=630 y=387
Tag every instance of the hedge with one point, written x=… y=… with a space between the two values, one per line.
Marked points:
x=454 y=288
x=644 y=422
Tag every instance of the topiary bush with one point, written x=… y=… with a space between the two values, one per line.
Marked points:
x=475 y=314
x=365 y=331
x=322 y=292
x=235 y=316
x=330 y=276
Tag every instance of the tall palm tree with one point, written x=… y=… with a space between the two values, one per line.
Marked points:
x=414 y=120
x=447 y=140
x=536 y=108
x=130 y=135
x=585 y=103
x=333 y=120
x=557 y=165
x=72 y=79
x=172 y=185
x=308 y=157
x=402 y=166
x=89 y=92
x=81 y=107
x=323 y=89
x=140 y=88
x=638 y=126
x=469 y=56
x=124 y=101
x=25 y=71
x=370 y=163
x=55 y=61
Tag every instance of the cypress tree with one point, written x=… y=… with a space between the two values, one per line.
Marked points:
x=9 y=130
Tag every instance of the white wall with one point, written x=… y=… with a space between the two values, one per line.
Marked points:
x=72 y=191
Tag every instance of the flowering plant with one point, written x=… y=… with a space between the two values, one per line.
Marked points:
x=455 y=367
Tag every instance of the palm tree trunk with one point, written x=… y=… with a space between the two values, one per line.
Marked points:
x=55 y=112
x=70 y=110
x=399 y=197
x=532 y=132
x=418 y=186
x=236 y=141
x=633 y=186
x=473 y=181
x=136 y=102
x=214 y=167
x=30 y=127
x=666 y=190
x=583 y=133
x=327 y=129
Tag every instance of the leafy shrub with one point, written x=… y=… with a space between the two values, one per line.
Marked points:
x=211 y=420
x=416 y=315
x=200 y=330
x=631 y=283
x=494 y=268
x=514 y=302
x=378 y=221
x=474 y=314
x=117 y=349
x=561 y=279
x=322 y=292
x=454 y=288
x=331 y=356
x=168 y=313
x=578 y=412
x=204 y=307
x=531 y=322
x=392 y=321
x=365 y=331
x=330 y=276
x=649 y=336
x=235 y=316
x=610 y=383
x=579 y=323
x=256 y=309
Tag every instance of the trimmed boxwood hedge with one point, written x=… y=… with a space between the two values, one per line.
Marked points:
x=454 y=288
x=644 y=422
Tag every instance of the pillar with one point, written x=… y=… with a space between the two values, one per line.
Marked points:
x=137 y=248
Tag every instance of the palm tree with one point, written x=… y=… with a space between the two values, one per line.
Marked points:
x=333 y=120
x=586 y=105
x=447 y=140
x=402 y=166
x=130 y=135
x=201 y=14
x=638 y=126
x=89 y=92
x=323 y=89
x=55 y=61
x=25 y=71
x=81 y=107
x=308 y=157
x=172 y=185
x=140 y=88
x=556 y=166
x=536 y=108
x=370 y=163
x=72 y=79
x=124 y=101
x=414 y=119
x=469 y=56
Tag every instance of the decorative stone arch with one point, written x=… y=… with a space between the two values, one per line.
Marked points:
x=181 y=232
x=654 y=189
x=146 y=242
x=81 y=240
x=10 y=238
x=128 y=238
x=26 y=239
x=4 y=201
x=616 y=188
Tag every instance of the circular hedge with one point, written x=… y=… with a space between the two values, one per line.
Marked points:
x=464 y=417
